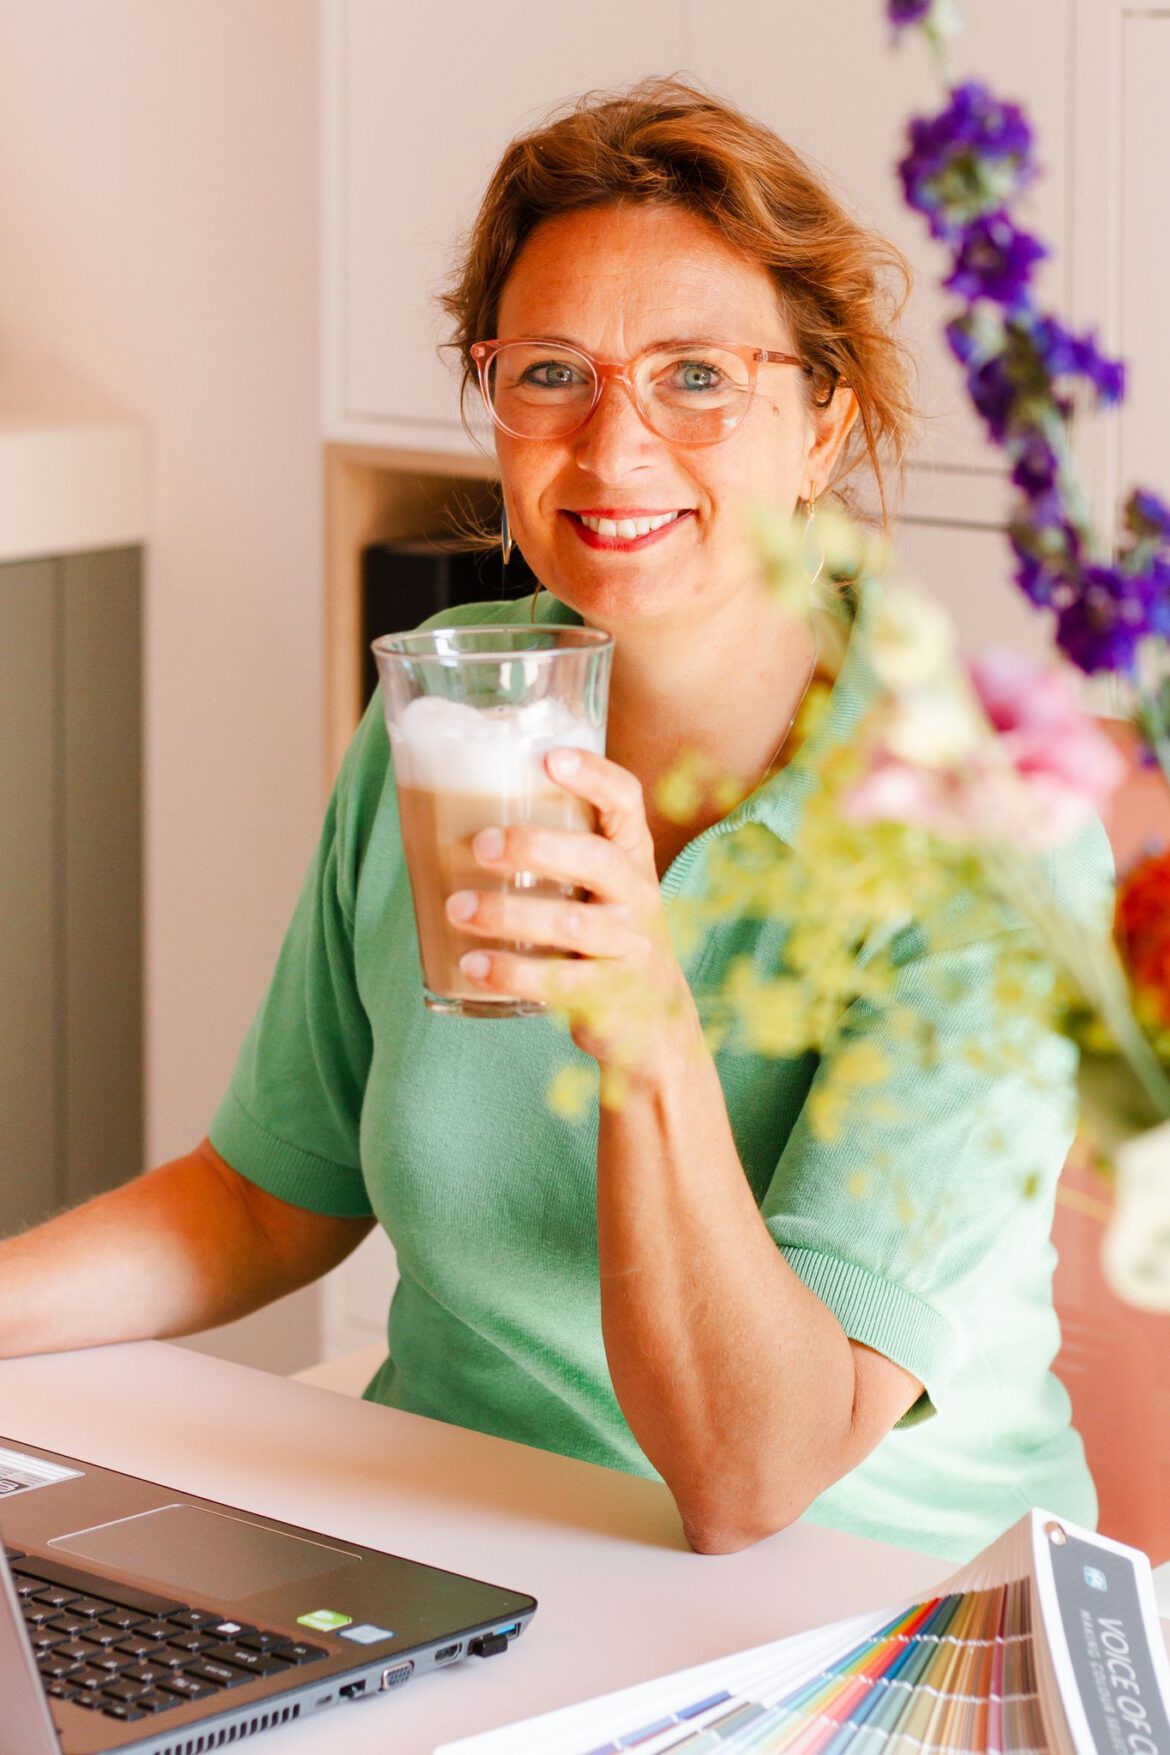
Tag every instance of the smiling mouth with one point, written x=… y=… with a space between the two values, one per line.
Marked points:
x=618 y=532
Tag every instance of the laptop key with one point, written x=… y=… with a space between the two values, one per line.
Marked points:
x=223 y=1675
x=253 y=1663
x=53 y=1667
x=123 y=1710
x=156 y=1630
x=193 y=1618
x=56 y=1595
x=91 y=1680
x=156 y=1702
x=136 y=1645
x=232 y=1632
x=187 y=1687
x=63 y=1691
x=101 y=1634
x=90 y=1607
x=68 y=1625
x=297 y=1653
x=123 y=1619
x=262 y=1641
x=123 y=1690
x=77 y=1649
x=192 y=1642
x=147 y=1674
x=109 y=1659
x=44 y=1638
x=89 y=1698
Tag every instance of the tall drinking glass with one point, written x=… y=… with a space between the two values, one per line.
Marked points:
x=472 y=713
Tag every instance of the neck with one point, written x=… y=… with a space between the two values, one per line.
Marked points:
x=728 y=691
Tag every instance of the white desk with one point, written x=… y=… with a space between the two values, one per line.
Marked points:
x=621 y=1597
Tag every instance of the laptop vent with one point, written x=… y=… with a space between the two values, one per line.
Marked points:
x=231 y=1733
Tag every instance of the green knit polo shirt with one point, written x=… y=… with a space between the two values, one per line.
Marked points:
x=351 y=1098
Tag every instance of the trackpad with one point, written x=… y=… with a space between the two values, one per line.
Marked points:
x=197 y=1553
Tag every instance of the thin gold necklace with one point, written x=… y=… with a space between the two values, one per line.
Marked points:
x=812 y=670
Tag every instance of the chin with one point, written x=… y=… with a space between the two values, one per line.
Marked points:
x=622 y=589
x=610 y=601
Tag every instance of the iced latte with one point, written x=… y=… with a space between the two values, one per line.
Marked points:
x=465 y=765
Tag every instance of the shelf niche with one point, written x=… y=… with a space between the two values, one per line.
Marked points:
x=374 y=495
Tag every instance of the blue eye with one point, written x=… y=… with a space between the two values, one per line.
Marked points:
x=552 y=375
x=698 y=375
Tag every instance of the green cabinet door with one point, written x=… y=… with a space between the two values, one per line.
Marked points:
x=71 y=1032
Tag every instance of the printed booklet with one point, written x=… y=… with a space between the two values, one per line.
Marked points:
x=1047 y=1643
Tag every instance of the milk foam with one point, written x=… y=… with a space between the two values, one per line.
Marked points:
x=447 y=746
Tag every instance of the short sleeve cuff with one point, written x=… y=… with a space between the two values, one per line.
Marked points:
x=337 y=1191
x=883 y=1316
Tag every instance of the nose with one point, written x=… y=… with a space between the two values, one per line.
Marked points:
x=615 y=440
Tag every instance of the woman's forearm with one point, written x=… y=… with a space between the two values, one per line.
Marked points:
x=184 y=1248
x=737 y=1381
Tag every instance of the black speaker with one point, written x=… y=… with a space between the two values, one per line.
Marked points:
x=405 y=582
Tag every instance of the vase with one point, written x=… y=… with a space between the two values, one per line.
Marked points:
x=1136 y=1251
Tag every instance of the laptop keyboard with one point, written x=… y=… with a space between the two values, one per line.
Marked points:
x=129 y=1654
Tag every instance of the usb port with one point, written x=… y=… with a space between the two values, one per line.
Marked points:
x=351 y=1690
x=399 y=1674
x=445 y=1653
x=510 y=1631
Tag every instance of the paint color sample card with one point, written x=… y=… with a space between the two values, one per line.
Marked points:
x=1048 y=1641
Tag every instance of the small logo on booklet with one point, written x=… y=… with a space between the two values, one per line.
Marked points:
x=367 y=1633
x=1095 y=1579
x=324 y=1620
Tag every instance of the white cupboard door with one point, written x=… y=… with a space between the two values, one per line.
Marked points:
x=1144 y=250
x=828 y=80
x=425 y=98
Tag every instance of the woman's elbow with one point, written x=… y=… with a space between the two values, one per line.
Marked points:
x=721 y=1532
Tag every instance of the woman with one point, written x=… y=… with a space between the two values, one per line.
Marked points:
x=687 y=1284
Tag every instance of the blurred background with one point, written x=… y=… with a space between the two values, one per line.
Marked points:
x=225 y=427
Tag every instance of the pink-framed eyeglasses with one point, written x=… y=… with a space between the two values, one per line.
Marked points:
x=688 y=392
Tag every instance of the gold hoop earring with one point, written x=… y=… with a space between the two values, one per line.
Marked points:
x=506 y=544
x=811 y=574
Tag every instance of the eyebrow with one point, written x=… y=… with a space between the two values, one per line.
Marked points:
x=669 y=341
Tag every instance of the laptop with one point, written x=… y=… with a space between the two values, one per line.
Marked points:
x=137 y=1618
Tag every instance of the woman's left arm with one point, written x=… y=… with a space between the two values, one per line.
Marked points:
x=740 y=1385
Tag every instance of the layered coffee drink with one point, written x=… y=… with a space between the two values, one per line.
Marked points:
x=460 y=769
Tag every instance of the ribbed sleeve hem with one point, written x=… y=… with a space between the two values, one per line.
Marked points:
x=337 y=1191
x=883 y=1316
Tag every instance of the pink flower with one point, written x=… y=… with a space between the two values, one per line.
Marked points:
x=1035 y=778
x=1042 y=732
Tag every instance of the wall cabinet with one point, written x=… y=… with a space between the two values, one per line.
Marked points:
x=70 y=880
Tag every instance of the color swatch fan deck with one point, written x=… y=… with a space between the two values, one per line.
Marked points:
x=1048 y=1643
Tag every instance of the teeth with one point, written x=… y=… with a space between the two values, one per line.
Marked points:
x=628 y=528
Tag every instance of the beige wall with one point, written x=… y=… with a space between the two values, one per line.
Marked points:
x=160 y=224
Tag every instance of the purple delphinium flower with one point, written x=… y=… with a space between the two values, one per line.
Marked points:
x=963 y=169
x=1102 y=627
x=1147 y=517
x=967 y=161
x=1035 y=465
x=994 y=261
x=1067 y=355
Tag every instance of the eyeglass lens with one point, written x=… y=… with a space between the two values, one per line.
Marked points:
x=690 y=394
